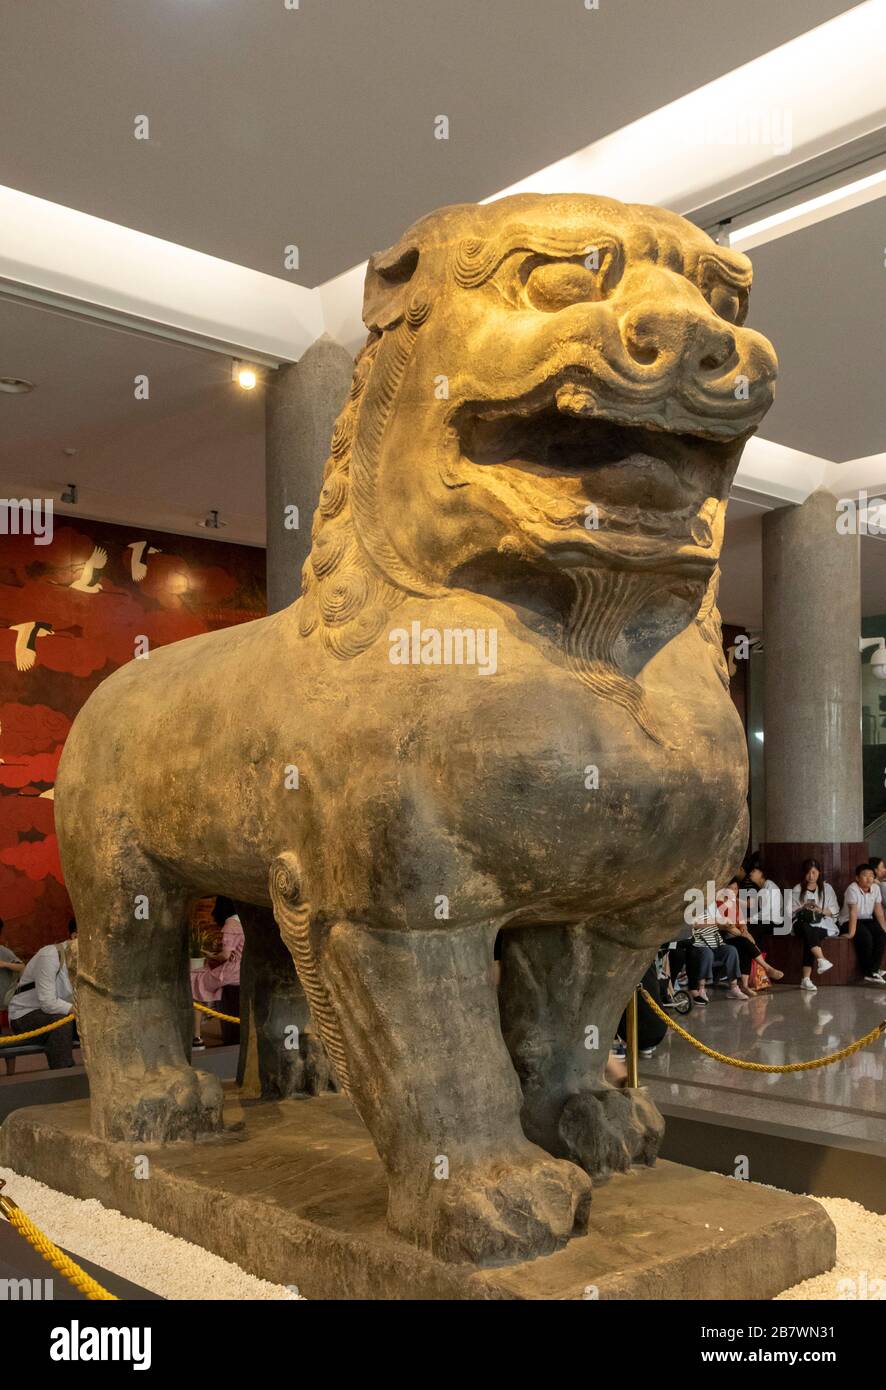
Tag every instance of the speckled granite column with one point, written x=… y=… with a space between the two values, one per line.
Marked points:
x=813 y=758
x=303 y=400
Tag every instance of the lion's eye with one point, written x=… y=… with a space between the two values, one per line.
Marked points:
x=557 y=284
x=728 y=303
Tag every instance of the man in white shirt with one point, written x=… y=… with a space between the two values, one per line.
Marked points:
x=44 y=995
x=862 y=918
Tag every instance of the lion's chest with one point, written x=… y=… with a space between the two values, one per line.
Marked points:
x=496 y=796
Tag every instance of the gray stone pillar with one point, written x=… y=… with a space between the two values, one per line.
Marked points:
x=302 y=402
x=812 y=699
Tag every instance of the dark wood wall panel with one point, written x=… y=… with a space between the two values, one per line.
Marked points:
x=782 y=861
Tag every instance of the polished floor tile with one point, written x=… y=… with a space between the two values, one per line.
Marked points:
x=781 y=1026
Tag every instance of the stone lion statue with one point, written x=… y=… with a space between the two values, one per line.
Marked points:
x=500 y=704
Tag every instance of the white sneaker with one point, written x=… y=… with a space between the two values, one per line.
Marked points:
x=808 y=986
x=874 y=980
x=823 y=966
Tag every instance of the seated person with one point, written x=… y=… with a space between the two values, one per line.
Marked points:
x=698 y=960
x=862 y=920
x=44 y=996
x=814 y=911
x=723 y=953
x=10 y=970
x=815 y=892
x=766 y=904
x=731 y=921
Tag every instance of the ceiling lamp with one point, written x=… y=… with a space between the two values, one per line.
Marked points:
x=15 y=385
x=809 y=210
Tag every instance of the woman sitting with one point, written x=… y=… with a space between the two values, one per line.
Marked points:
x=698 y=961
x=814 y=914
x=731 y=921
x=706 y=936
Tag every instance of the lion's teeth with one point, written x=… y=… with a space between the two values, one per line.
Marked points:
x=575 y=400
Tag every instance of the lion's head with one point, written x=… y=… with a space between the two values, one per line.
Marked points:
x=553 y=385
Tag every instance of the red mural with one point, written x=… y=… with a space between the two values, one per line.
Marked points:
x=71 y=612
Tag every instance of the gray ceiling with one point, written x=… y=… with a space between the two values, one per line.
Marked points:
x=315 y=126
x=196 y=443
x=270 y=126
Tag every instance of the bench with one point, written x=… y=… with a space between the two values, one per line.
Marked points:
x=786 y=953
x=18 y=1050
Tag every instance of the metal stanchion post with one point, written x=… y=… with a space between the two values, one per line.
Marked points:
x=632 y=1044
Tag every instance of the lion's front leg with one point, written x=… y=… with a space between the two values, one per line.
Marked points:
x=563 y=991
x=428 y=1071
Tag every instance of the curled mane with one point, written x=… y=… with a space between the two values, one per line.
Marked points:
x=344 y=594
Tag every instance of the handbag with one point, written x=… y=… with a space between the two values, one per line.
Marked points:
x=807 y=917
x=759 y=978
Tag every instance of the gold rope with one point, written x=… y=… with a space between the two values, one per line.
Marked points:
x=35 y=1032
x=50 y=1252
x=213 y=1013
x=763 y=1066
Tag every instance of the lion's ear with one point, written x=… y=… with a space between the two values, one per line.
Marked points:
x=387 y=288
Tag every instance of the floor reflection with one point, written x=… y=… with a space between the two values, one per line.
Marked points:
x=778 y=1026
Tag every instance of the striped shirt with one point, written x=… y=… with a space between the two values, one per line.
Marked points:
x=707 y=936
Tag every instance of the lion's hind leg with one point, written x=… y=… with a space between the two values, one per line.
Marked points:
x=562 y=993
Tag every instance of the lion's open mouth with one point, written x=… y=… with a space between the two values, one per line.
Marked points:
x=641 y=494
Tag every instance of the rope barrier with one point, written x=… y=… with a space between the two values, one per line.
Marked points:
x=763 y=1066
x=14 y=1038
x=213 y=1013
x=51 y=1253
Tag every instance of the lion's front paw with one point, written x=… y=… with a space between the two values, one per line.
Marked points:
x=606 y=1131
x=498 y=1212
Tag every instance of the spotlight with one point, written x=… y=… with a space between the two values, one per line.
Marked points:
x=245 y=376
x=70 y=494
x=211 y=521
x=15 y=385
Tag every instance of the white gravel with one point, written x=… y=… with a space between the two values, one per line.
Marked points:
x=136 y=1251
x=860 y=1271
x=178 y=1270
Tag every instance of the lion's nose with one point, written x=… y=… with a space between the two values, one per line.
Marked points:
x=711 y=347
x=702 y=345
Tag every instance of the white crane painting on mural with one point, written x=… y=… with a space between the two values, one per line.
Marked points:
x=139 y=549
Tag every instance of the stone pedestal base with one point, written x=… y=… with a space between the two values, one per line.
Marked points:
x=294 y=1192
